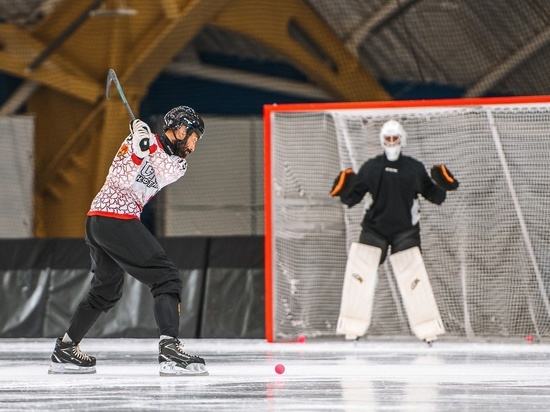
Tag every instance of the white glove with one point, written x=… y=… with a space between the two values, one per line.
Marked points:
x=141 y=137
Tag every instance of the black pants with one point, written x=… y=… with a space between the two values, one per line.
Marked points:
x=398 y=242
x=118 y=246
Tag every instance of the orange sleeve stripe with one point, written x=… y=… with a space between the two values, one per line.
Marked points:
x=341 y=181
x=447 y=176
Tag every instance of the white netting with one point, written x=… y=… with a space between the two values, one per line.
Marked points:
x=17 y=176
x=222 y=191
x=485 y=248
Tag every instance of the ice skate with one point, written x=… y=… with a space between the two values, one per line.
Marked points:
x=175 y=362
x=68 y=358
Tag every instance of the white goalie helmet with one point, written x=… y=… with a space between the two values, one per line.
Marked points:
x=392 y=137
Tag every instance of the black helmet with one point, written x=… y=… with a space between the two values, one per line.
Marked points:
x=184 y=116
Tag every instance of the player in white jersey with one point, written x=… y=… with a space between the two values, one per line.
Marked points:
x=391 y=221
x=119 y=243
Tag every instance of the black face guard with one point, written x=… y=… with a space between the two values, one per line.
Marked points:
x=168 y=146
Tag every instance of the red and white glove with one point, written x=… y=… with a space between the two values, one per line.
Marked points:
x=142 y=138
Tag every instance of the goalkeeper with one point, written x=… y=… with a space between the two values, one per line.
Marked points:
x=391 y=221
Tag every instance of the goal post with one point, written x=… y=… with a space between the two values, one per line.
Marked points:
x=485 y=248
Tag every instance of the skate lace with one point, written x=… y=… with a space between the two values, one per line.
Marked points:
x=179 y=347
x=80 y=355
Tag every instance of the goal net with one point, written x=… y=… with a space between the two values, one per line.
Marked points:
x=486 y=248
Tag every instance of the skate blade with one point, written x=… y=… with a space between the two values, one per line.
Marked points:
x=193 y=369
x=67 y=368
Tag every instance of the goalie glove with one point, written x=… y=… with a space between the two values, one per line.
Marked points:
x=444 y=178
x=344 y=182
x=142 y=138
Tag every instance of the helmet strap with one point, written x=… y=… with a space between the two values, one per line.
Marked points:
x=169 y=147
x=176 y=147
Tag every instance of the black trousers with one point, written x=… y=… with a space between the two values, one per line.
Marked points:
x=118 y=246
x=398 y=242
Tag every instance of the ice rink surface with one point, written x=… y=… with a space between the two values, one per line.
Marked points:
x=319 y=376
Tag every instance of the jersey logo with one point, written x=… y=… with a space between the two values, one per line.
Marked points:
x=183 y=163
x=147 y=177
x=123 y=150
x=391 y=169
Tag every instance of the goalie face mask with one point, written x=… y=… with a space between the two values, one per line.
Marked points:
x=392 y=137
x=392 y=153
x=392 y=147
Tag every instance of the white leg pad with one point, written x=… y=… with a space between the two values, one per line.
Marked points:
x=360 y=280
x=417 y=294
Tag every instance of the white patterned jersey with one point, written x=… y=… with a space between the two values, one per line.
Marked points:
x=132 y=182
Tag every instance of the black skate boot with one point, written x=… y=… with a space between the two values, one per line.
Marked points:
x=67 y=358
x=174 y=361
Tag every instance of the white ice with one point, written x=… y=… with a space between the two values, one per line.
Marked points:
x=329 y=376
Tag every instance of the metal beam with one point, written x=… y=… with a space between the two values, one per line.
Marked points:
x=195 y=68
x=508 y=65
x=389 y=11
x=20 y=48
x=293 y=30
x=64 y=35
x=18 y=98
x=158 y=46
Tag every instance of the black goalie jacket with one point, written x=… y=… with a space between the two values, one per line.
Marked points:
x=394 y=188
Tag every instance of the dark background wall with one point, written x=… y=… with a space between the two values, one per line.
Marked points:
x=43 y=280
